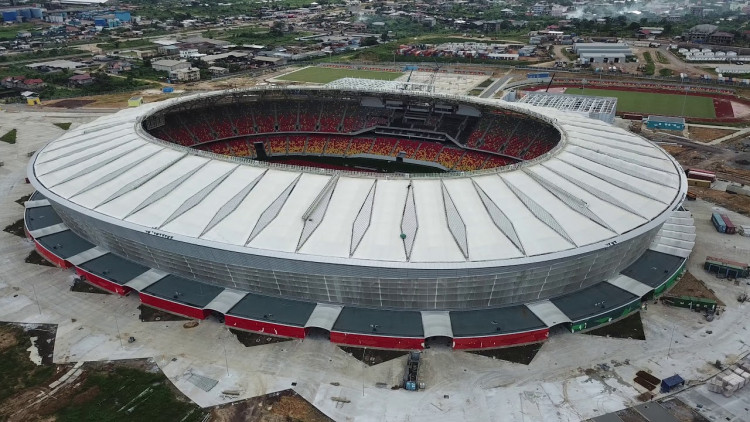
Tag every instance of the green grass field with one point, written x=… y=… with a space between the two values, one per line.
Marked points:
x=323 y=75
x=654 y=103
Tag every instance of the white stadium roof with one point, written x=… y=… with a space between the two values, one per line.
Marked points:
x=600 y=183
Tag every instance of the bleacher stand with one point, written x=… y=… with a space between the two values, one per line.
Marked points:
x=275 y=145
x=316 y=144
x=297 y=144
x=428 y=151
x=449 y=156
x=337 y=145
x=384 y=146
x=359 y=146
x=408 y=146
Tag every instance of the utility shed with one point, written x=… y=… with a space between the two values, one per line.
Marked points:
x=665 y=122
x=671 y=383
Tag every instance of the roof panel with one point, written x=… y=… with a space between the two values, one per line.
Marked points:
x=155 y=214
x=91 y=198
x=536 y=237
x=236 y=227
x=486 y=241
x=334 y=233
x=193 y=221
x=122 y=206
x=283 y=233
x=97 y=175
x=382 y=239
x=434 y=241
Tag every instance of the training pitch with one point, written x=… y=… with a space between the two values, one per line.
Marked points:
x=655 y=103
x=323 y=75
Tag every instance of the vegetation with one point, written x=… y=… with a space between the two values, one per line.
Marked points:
x=127 y=394
x=41 y=54
x=666 y=72
x=18 y=371
x=656 y=103
x=661 y=58
x=118 y=44
x=8 y=33
x=63 y=126
x=649 y=68
x=324 y=75
x=10 y=138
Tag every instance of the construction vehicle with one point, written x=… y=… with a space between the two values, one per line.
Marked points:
x=411 y=381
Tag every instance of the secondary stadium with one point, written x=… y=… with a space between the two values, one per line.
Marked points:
x=374 y=217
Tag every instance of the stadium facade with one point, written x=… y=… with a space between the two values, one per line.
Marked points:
x=483 y=258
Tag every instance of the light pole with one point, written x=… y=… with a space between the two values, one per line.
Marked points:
x=117 y=326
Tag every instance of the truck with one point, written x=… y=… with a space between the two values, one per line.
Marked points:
x=411 y=376
x=731 y=228
x=719 y=223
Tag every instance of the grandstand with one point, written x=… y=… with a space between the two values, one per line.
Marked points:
x=432 y=133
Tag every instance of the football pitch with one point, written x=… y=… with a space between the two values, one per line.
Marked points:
x=655 y=103
x=323 y=75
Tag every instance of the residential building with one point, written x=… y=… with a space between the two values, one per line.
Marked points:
x=185 y=74
x=169 y=65
x=80 y=80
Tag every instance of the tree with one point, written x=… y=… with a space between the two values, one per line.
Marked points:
x=384 y=36
x=277 y=29
x=369 y=41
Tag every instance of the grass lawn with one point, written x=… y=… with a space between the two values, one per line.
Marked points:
x=9 y=137
x=653 y=103
x=323 y=75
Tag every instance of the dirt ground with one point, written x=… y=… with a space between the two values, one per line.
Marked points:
x=736 y=203
x=518 y=354
x=35 y=258
x=630 y=327
x=16 y=228
x=689 y=285
x=707 y=134
x=372 y=356
x=283 y=406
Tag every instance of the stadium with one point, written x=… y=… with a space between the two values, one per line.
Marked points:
x=374 y=217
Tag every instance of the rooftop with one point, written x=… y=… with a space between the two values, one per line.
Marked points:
x=509 y=319
x=113 y=268
x=379 y=322
x=593 y=300
x=653 y=267
x=182 y=290
x=273 y=309
x=39 y=217
x=64 y=244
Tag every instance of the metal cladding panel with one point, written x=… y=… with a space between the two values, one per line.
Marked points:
x=51 y=257
x=70 y=157
x=324 y=316
x=485 y=240
x=332 y=235
x=581 y=229
x=365 y=286
x=382 y=241
x=235 y=228
x=434 y=241
x=193 y=221
x=382 y=342
x=156 y=213
x=102 y=174
x=613 y=213
x=96 y=195
x=436 y=323
x=264 y=327
x=284 y=231
x=504 y=340
x=151 y=190
x=225 y=300
x=172 y=307
x=550 y=314
x=535 y=236
x=102 y=282
x=652 y=186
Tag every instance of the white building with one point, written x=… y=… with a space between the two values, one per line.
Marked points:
x=169 y=65
x=185 y=75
